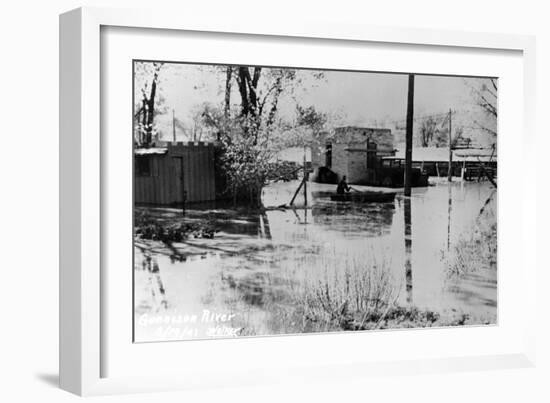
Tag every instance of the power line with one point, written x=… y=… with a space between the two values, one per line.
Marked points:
x=423 y=117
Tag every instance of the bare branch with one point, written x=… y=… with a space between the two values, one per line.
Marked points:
x=486 y=129
x=494 y=83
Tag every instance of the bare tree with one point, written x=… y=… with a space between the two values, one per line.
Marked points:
x=427 y=131
x=486 y=97
x=145 y=113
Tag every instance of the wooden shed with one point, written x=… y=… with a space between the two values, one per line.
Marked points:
x=176 y=174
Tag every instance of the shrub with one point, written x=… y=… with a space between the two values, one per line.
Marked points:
x=358 y=297
x=145 y=227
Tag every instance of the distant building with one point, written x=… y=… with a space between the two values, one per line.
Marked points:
x=351 y=151
x=294 y=154
x=434 y=161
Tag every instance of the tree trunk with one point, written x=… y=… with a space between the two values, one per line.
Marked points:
x=227 y=104
x=150 y=114
x=252 y=87
x=143 y=132
x=242 y=80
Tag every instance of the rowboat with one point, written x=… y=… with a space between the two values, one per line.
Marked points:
x=364 y=197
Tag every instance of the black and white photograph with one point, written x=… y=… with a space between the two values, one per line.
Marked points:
x=289 y=201
x=275 y=200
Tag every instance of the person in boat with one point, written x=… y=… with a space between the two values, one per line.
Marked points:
x=343 y=187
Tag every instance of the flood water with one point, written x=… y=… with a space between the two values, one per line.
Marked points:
x=239 y=282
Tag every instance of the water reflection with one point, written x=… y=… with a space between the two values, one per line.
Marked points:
x=150 y=267
x=364 y=219
x=450 y=209
x=248 y=268
x=408 y=248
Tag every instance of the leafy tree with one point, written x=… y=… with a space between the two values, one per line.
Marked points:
x=248 y=164
x=309 y=117
x=253 y=134
x=306 y=127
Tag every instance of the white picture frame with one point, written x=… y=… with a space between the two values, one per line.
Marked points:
x=82 y=344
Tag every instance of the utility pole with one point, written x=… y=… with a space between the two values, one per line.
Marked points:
x=409 y=136
x=450 y=170
x=174 y=125
x=305 y=177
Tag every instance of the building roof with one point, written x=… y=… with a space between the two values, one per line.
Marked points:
x=441 y=154
x=293 y=154
x=150 y=151
x=355 y=127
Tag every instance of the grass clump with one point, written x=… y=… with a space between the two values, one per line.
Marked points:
x=147 y=227
x=356 y=298
x=361 y=296
x=474 y=252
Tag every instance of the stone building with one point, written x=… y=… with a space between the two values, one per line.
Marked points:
x=351 y=151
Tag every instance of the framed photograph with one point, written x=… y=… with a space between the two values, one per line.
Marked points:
x=246 y=202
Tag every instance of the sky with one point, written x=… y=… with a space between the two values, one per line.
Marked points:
x=357 y=98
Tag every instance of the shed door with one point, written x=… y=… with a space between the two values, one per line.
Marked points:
x=328 y=155
x=179 y=188
x=371 y=154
